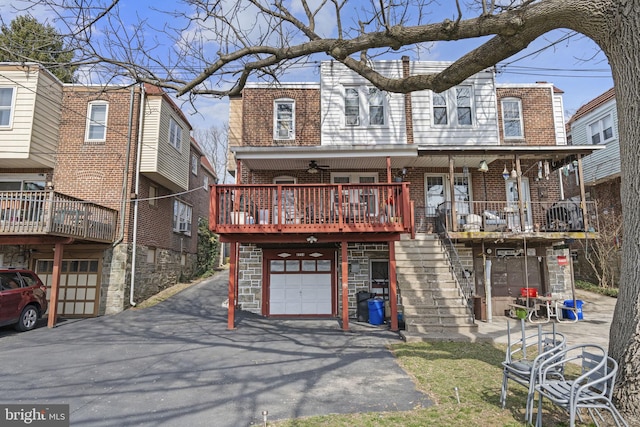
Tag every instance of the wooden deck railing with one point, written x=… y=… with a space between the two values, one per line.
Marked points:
x=49 y=213
x=318 y=208
x=489 y=216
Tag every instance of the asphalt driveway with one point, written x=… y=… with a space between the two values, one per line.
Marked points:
x=176 y=364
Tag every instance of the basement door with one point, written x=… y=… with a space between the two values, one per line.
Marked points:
x=300 y=283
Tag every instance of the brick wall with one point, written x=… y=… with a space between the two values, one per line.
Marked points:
x=257 y=110
x=95 y=172
x=537 y=112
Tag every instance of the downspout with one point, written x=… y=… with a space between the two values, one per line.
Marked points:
x=135 y=202
x=125 y=178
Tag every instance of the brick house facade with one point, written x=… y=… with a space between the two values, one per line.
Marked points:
x=95 y=163
x=368 y=141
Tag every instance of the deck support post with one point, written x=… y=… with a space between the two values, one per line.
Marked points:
x=345 y=285
x=393 y=286
x=233 y=275
x=55 y=285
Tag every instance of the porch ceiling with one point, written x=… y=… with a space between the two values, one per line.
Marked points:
x=339 y=157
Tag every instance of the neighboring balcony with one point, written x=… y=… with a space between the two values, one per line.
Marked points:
x=310 y=208
x=560 y=219
x=47 y=213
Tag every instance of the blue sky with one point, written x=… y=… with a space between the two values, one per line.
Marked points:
x=575 y=65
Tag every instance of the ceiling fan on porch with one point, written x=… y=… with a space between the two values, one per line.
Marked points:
x=314 y=167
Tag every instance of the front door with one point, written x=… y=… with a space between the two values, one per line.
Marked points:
x=513 y=207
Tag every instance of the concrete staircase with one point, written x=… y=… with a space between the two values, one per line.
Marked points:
x=431 y=302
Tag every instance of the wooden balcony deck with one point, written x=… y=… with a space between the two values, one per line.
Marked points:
x=541 y=220
x=268 y=209
x=47 y=213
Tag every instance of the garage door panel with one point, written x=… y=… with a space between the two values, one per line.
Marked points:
x=300 y=294
x=277 y=307
x=78 y=287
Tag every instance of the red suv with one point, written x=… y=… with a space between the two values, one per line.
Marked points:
x=23 y=298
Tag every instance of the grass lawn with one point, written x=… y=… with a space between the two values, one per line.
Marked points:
x=437 y=368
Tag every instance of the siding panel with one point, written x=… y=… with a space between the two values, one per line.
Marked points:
x=334 y=77
x=603 y=163
x=32 y=139
x=484 y=130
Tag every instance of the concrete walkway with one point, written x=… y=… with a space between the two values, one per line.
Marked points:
x=176 y=364
x=593 y=329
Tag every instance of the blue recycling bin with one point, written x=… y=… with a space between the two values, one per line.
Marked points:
x=570 y=314
x=376 y=311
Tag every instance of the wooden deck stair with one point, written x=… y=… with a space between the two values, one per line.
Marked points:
x=432 y=305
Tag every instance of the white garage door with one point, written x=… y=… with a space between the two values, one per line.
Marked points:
x=300 y=287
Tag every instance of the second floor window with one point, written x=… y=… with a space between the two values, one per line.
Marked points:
x=284 y=120
x=453 y=107
x=351 y=107
x=194 y=164
x=512 y=118
x=6 y=106
x=181 y=217
x=175 y=134
x=440 y=114
x=153 y=195
x=601 y=130
x=97 y=122
x=364 y=106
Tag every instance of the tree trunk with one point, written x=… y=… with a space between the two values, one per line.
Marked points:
x=620 y=40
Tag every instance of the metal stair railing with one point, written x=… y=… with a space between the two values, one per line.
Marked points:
x=460 y=274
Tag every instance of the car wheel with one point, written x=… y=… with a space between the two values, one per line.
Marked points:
x=28 y=319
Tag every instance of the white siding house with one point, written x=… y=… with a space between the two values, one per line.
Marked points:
x=31 y=99
x=165 y=154
x=432 y=125
x=597 y=123
x=354 y=112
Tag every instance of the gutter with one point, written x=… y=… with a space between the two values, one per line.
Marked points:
x=135 y=202
x=125 y=178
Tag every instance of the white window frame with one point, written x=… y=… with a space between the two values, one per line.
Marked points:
x=351 y=115
x=194 y=163
x=94 y=123
x=376 y=94
x=462 y=207
x=175 y=134
x=357 y=178
x=182 y=213
x=597 y=129
x=359 y=114
x=451 y=107
x=514 y=120
x=280 y=120
x=205 y=183
x=10 y=107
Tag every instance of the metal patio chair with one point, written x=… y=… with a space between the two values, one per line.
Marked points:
x=592 y=389
x=523 y=359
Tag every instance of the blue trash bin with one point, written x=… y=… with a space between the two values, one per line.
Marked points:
x=376 y=311
x=570 y=314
